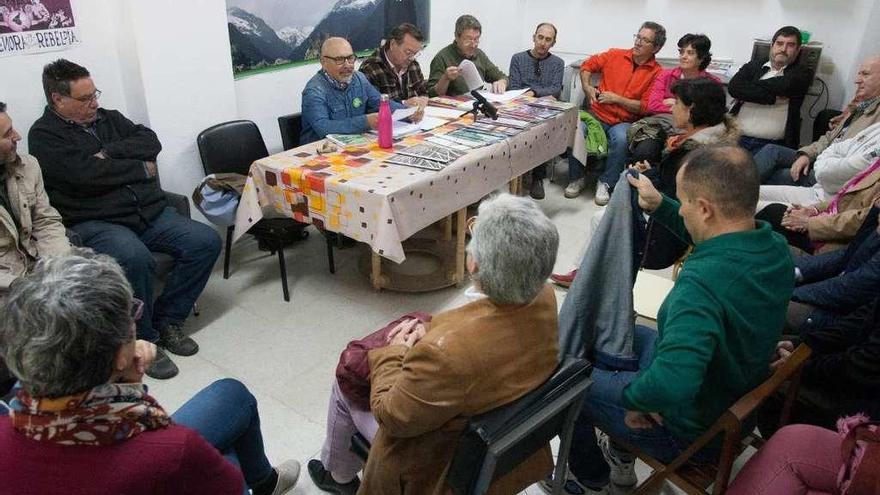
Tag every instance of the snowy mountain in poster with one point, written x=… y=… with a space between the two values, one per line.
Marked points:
x=265 y=34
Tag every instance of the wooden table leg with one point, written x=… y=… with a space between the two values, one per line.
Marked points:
x=459 y=245
x=447 y=229
x=376 y=274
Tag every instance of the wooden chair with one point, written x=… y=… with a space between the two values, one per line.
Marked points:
x=696 y=479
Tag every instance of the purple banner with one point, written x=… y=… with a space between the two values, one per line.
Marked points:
x=34 y=26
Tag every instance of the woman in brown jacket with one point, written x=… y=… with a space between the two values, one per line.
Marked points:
x=431 y=378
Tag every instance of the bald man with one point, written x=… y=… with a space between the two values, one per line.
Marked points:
x=338 y=99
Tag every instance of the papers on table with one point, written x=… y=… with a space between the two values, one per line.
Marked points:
x=403 y=113
x=503 y=97
x=442 y=112
x=401 y=129
x=427 y=123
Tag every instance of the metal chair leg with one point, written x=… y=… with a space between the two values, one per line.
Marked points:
x=228 y=252
x=330 y=261
x=283 y=266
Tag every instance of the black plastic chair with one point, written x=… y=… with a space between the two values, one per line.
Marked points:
x=820 y=125
x=498 y=441
x=290 y=126
x=231 y=147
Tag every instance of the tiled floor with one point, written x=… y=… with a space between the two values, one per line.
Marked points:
x=286 y=352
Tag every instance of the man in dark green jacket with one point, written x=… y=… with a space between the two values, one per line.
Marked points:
x=717 y=328
x=444 y=78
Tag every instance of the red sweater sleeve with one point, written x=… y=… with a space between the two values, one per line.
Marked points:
x=204 y=471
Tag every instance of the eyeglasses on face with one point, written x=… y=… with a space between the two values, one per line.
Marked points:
x=642 y=39
x=87 y=98
x=137 y=309
x=342 y=60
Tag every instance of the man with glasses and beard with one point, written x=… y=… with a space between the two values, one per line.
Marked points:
x=620 y=100
x=541 y=72
x=100 y=173
x=338 y=99
x=445 y=71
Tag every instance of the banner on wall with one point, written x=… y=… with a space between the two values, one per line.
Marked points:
x=268 y=35
x=36 y=26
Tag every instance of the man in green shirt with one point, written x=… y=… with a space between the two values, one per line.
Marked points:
x=444 y=78
x=717 y=328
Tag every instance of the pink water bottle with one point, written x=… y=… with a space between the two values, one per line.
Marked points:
x=385 y=132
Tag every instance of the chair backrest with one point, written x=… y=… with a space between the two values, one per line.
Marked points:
x=231 y=147
x=290 y=126
x=498 y=441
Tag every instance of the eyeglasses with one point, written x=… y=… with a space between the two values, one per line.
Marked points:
x=642 y=39
x=471 y=223
x=87 y=98
x=470 y=41
x=343 y=59
x=137 y=309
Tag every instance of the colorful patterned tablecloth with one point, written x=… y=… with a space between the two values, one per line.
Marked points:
x=353 y=192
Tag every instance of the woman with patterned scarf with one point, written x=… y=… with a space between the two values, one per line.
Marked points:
x=82 y=421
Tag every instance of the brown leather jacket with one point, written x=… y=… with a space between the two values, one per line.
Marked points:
x=473 y=359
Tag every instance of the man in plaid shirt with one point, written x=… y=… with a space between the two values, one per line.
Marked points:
x=393 y=68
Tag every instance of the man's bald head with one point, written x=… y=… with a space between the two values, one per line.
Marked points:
x=337 y=59
x=868 y=79
x=725 y=176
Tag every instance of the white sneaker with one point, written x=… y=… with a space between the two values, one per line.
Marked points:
x=574 y=188
x=603 y=193
x=573 y=487
x=288 y=475
x=622 y=473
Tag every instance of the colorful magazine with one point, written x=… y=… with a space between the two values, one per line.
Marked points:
x=412 y=161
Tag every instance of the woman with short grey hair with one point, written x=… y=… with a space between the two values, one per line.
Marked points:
x=432 y=376
x=82 y=420
x=514 y=245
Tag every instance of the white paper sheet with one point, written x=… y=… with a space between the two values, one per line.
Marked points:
x=403 y=113
x=427 y=123
x=503 y=97
x=471 y=75
x=443 y=112
x=401 y=128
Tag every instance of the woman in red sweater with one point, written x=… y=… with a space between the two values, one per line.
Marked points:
x=83 y=423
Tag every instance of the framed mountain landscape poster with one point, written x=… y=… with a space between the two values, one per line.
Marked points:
x=268 y=35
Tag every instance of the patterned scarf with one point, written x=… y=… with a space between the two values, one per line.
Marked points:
x=855 y=181
x=337 y=85
x=105 y=415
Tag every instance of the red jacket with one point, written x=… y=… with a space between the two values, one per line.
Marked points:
x=171 y=460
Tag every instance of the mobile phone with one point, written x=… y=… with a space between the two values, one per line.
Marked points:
x=633 y=172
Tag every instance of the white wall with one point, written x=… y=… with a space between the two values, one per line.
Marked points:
x=172 y=72
x=20 y=76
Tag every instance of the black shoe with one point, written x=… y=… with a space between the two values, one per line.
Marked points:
x=173 y=339
x=325 y=482
x=162 y=367
x=537 y=189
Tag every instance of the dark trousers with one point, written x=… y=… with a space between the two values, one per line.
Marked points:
x=774 y=166
x=193 y=245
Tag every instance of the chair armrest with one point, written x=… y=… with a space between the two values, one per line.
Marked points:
x=179 y=202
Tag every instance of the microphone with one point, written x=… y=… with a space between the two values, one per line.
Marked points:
x=487 y=108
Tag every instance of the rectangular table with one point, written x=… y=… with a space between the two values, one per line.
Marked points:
x=354 y=193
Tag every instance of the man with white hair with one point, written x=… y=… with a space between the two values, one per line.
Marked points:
x=338 y=99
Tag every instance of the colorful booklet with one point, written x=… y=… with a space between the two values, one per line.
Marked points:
x=412 y=161
x=345 y=140
x=449 y=143
x=432 y=152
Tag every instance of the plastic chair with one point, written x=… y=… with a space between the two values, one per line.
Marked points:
x=231 y=147
x=290 y=126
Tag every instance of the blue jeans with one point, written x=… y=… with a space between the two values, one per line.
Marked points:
x=754 y=145
x=614 y=162
x=193 y=245
x=774 y=165
x=225 y=414
x=603 y=409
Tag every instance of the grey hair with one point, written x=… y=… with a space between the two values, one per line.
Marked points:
x=659 y=33
x=64 y=322
x=465 y=22
x=514 y=245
